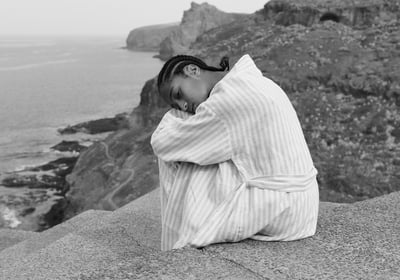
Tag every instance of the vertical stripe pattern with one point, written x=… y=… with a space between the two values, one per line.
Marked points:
x=239 y=168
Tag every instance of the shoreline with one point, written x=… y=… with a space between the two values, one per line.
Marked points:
x=34 y=197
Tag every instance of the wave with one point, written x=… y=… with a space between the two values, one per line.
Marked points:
x=9 y=216
x=35 y=65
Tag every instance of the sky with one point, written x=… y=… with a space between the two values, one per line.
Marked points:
x=100 y=17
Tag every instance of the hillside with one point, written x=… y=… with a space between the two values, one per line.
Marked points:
x=338 y=62
x=341 y=78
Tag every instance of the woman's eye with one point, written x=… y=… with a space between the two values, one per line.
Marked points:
x=178 y=94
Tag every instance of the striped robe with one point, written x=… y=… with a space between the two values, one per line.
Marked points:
x=239 y=168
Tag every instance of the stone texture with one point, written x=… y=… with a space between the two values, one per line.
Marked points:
x=99 y=257
x=38 y=241
x=342 y=80
x=353 y=241
x=10 y=237
x=122 y=167
x=358 y=13
x=197 y=20
x=119 y=246
x=344 y=85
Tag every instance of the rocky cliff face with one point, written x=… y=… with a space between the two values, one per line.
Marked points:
x=356 y=13
x=342 y=78
x=197 y=20
x=343 y=81
x=149 y=38
x=122 y=167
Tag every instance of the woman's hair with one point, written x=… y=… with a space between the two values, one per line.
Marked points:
x=175 y=65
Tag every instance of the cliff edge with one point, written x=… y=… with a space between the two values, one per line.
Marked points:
x=149 y=38
x=338 y=62
x=198 y=19
x=353 y=241
x=341 y=78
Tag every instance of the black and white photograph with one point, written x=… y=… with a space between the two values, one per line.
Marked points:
x=199 y=140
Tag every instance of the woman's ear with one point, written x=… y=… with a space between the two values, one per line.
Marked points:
x=192 y=70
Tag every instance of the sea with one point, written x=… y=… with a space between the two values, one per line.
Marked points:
x=47 y=83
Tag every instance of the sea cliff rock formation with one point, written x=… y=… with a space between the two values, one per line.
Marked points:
x=341 y=76
x=197 y=20
x=149 y=38
x=355 y=13
x=343 y=80
x=122 y=167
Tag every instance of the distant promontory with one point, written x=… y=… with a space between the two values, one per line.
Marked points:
x=149 y=38
x=176 y=38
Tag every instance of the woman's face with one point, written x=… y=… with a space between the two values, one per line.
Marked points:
x=186 y=91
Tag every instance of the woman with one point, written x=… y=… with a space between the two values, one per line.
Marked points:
x=233 y=160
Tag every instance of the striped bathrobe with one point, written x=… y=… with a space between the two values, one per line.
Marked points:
x=239 y=168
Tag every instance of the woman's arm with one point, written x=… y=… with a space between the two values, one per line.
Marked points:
x=201 y=138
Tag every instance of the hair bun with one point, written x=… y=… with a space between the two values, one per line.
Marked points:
x=224 y=63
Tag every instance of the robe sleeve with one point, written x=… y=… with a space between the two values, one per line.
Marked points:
x=201 y=138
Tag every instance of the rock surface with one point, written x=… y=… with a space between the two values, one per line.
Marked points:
x=197 y=20
x=122 y=167
x=342 y=80
x=149 y=38
x=338 y=62
x=34 y=198
x=357 y=13
x=120 y=121
x=353 y=241
x=10 y=237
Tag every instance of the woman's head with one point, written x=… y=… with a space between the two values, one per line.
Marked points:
x=186 y=81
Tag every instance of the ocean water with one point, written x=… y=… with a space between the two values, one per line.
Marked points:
x=49 y=83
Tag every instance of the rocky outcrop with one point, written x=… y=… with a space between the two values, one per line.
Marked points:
x=342 y=80
x=344 y=85
x=122 y=167
x=149 y=38
x=357 y=13
x=197 y=20
x=33 y=199
x=117 y=122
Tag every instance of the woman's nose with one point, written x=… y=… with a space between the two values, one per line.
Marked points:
x=183 y=105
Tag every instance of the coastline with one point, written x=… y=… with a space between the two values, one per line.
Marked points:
x=49 y=84
x=34 y=197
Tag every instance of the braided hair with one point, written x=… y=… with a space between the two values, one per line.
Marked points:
x=176 y=64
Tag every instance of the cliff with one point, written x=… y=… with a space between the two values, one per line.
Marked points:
x=122 y=167
x=149 y=38
x=338 y=62
x=342 y=80
x=355 y=13
x=197 y=20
